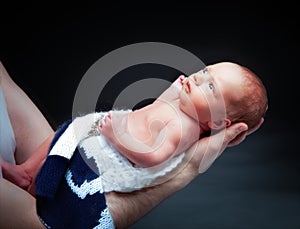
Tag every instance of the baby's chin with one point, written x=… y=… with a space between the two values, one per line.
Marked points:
x=188 y=113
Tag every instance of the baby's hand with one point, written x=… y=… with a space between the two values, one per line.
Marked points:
x=182 y=79
x=16 y=174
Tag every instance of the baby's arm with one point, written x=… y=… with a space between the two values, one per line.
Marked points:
x=139 y=152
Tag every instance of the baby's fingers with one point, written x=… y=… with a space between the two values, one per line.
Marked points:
x=181 y=79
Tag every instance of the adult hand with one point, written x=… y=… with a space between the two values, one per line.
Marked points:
x=203 y=153
x=239 y=138
x=141 y=202
x=15 y=174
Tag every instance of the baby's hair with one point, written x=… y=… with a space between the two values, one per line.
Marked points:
x=253 y=104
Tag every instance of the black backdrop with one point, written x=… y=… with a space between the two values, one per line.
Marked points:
x=47 y=49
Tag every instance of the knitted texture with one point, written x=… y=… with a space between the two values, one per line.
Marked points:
x=81 y=166
x=116 y=172
x=60 y=205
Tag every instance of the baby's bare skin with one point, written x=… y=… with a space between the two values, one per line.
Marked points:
x=151 y=135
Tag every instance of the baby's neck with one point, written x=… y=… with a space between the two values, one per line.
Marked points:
x=203 y=127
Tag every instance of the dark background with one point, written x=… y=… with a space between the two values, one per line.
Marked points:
x=47 y=49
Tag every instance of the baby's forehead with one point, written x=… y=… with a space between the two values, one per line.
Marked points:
x=224 y=70
x=205 y=69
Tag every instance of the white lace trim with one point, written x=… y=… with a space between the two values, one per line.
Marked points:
x=116 y=172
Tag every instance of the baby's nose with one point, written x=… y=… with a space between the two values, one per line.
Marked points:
x=197 y=79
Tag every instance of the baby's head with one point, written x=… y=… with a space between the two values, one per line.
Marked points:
x=229 y=93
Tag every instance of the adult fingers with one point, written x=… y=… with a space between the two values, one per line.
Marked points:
x=238 y=139
x=208 y=149
x=241 y=137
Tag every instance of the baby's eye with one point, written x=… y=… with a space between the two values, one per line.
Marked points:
x=204 y=71
x=211 y=86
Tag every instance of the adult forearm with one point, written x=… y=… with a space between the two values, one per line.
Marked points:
x=128 y=208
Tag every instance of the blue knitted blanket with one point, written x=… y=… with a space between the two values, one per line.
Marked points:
x=64 y=205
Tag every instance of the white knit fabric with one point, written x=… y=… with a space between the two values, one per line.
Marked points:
x=116 y=172
x=105 y=221
x=79 y=129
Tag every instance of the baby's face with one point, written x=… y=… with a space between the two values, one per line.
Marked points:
x=206 y=93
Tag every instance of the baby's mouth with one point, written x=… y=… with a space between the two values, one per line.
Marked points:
x=187 y=86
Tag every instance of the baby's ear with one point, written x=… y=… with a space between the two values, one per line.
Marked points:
x=219 y=124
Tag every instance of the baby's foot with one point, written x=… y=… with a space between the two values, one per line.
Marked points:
x=113 y=125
